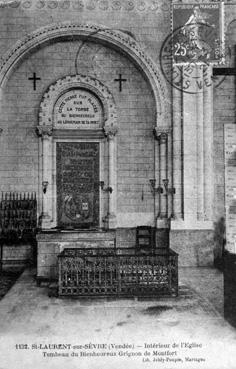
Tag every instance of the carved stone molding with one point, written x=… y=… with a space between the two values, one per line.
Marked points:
x=78 y=81
x=110 y=132
x=162 y=137
x=112 y=38
x=161 y=133
x=44 y=131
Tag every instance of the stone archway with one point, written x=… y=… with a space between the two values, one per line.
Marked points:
x=113 y=38
x=50 y=134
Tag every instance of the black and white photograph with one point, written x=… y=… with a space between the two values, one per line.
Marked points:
x=117 y=184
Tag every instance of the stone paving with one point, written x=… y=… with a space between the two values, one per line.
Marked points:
x=29 y=317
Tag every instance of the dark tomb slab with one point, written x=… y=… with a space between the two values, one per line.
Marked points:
x=77 y=166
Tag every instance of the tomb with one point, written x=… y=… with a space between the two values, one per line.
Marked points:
x=79 y=204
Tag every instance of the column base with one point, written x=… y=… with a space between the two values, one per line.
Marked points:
x=45 y=221
x=178 y=224
x=162 y=223
x=110 y=221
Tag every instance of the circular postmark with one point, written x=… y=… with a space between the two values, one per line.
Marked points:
x=187 y=53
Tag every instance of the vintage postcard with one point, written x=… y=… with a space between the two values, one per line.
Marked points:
x=117 y=184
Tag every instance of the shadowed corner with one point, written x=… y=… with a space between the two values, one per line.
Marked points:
x=230 y=288
x=156 y=310
x=219 y=243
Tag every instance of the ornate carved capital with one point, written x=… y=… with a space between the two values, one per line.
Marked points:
x=161 y=134
x=43 y=131
x=110 y=132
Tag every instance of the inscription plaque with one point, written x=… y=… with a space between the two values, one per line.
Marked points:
x=78 y=109
x=77 y=184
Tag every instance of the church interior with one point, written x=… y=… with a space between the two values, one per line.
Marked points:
x=118 y=168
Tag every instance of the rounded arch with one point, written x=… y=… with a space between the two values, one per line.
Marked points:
x=230 y=32
x=62 y=85
x=114 y=38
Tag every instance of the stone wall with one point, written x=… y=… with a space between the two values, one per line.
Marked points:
x=136 y=117
x=224 y=116
x=224 y=112
x=17 y=255
x=195 y=247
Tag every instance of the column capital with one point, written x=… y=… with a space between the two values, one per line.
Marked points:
x=161 y=134
x=43 y=131
x=110 y=131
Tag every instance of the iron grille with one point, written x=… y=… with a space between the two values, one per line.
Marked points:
x=120 y=272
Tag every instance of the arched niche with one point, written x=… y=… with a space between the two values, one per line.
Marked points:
x=52 y=135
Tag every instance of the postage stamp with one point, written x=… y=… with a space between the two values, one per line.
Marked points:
x=196 y=40
x=197 y=33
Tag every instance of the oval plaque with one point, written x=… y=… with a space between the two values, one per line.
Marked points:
x=78 y=109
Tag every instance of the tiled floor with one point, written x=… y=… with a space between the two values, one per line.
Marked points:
x=29 y=316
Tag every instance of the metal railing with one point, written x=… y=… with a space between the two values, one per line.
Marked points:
x=119 y=272
x=18 y=216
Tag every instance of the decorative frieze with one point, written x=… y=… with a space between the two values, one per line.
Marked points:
x=89 y=5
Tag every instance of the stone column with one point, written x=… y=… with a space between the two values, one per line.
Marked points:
x=177 y=133
x=164 y=170
x=190 y=148
x=157 y=176
x=200 y=145
x=110 y=133
x=45 y=132
x=161 y=135
x=170 y=197
x=208 y=142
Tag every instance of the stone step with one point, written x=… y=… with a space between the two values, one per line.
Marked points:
x=52 y=243
x=75 y=235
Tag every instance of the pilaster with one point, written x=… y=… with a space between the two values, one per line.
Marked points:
x=45 y=132
x=193 y=136
x=163 y=178
x=111 y=217
x=177 y=132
